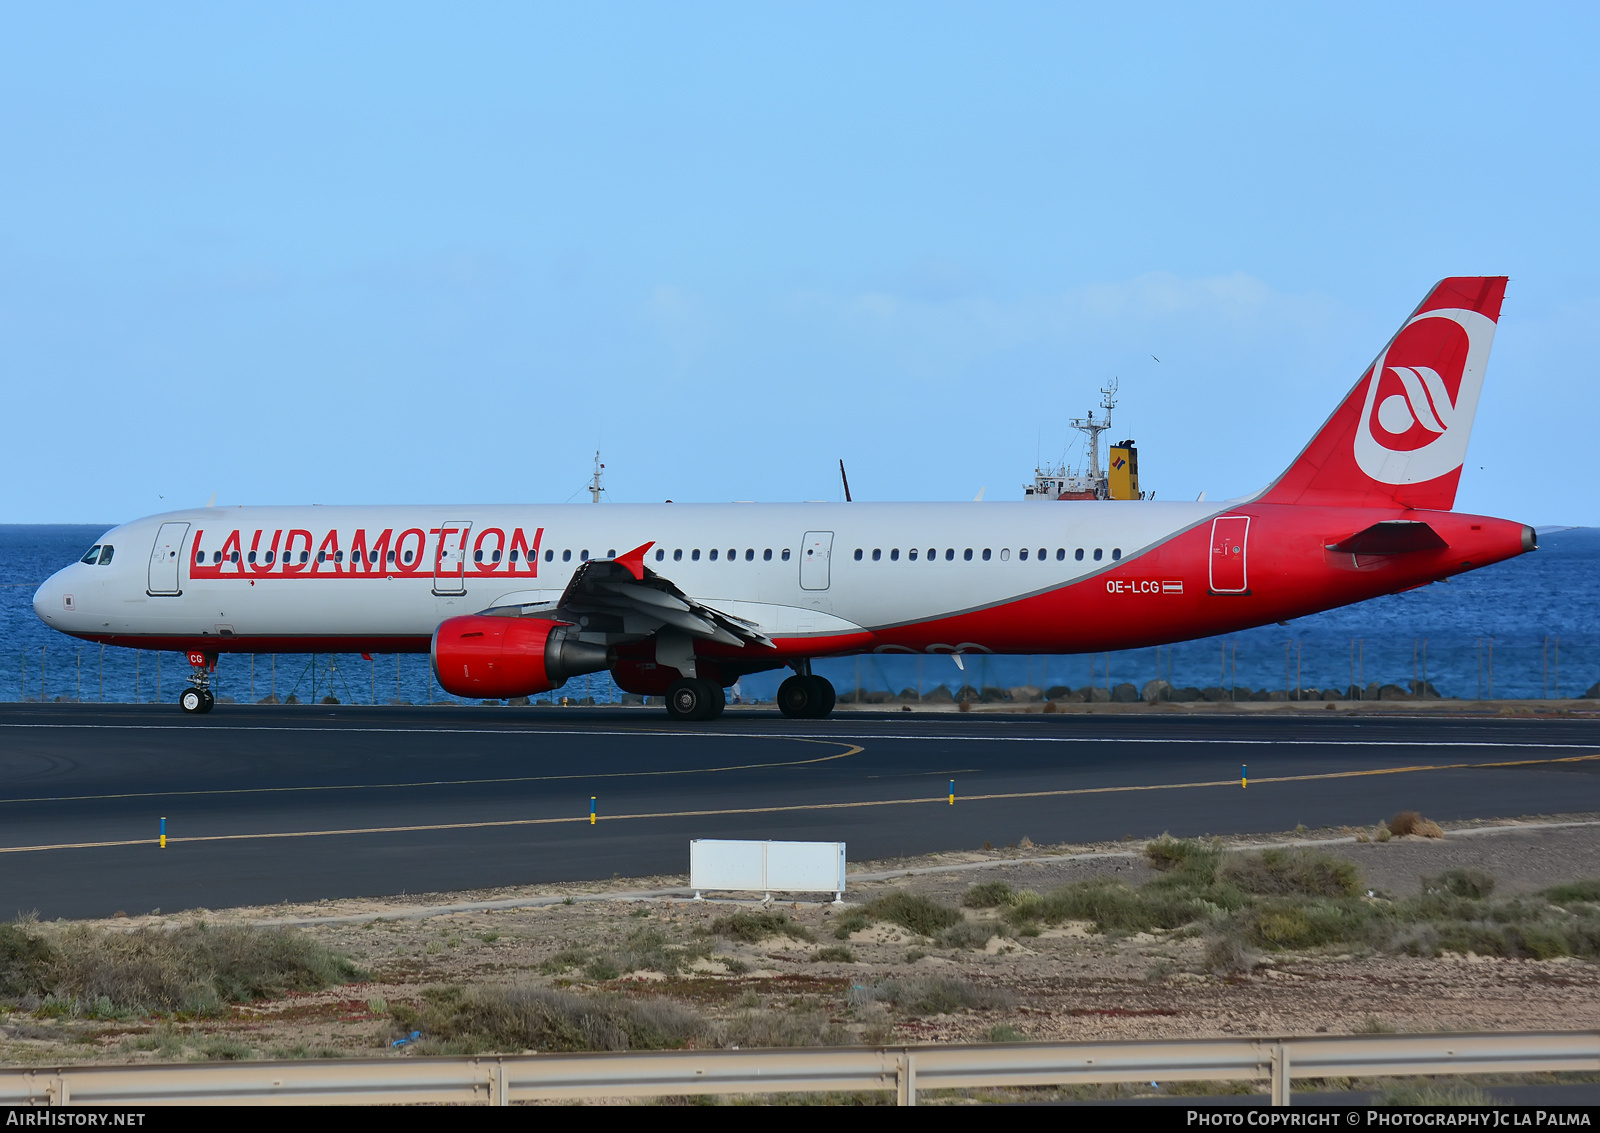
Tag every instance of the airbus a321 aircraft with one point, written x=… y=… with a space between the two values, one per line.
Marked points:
x=679 y=600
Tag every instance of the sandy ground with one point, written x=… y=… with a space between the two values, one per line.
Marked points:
x=1067 y=983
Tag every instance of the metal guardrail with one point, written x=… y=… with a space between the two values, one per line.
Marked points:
x=905 y=1070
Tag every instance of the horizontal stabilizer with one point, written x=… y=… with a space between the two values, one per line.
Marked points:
x=1391 y=537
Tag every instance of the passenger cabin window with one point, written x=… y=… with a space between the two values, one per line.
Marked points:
x=611 y=554
x=660 y=555
x=1005 y=554
x=496 y=555
x=912 y=554
x=269 y=556
x=933 y=553
x=894 y=554
x=251 y=556
x=786 y=554
x=233 y=556
x=91 y=556
x=584 y=554
x=1116 y=553
x=390 y=557
x=1061 y=554
x=967 y=554
x=477 y=556
x=766 y=556
x=986 y=554
x=1078 y=554
x=549 y=555
x=732 y=554
x=1023 y=553
x=677 y=556
x=877 y=553
x=858 y=554
x=713 y=555
x=566 y=556
x=408 y=556
x=749 y=554
x=1097 y=554
x=695 y=554
x=322 y=556
x=338 y=556
x=216 y=557
x=1041 y=554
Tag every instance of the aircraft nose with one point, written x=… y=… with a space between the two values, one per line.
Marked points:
x=48 y=599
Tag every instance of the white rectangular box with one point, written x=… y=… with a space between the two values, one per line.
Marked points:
x=765 y=867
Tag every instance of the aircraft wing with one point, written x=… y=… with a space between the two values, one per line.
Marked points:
x=623 y=596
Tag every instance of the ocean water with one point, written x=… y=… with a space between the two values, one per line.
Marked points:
x=1525 y=628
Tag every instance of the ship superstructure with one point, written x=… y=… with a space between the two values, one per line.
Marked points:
x=1118 y=479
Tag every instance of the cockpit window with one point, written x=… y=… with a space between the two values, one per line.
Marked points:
x=105 y=554
x=92 y=556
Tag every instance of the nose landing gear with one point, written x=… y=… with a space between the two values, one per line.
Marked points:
x=196 y=700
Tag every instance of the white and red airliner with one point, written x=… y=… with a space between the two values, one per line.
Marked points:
x=682 y=599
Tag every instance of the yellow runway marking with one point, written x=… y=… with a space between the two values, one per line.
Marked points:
x=939 y=800
x=851 y=749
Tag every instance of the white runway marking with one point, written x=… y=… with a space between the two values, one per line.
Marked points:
x=528 y=733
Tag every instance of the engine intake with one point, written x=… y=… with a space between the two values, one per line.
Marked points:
x=483 y=656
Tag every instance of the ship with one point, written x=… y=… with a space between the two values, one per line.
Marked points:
x=1117 y=479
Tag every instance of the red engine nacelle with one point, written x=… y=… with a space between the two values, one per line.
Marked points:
x=485 y=656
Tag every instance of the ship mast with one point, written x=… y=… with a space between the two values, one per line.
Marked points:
x=594 y=485
x=1092 y=429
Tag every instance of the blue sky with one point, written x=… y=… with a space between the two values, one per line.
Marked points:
x=408 y=253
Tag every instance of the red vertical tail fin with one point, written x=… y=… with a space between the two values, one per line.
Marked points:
x=1400 y=436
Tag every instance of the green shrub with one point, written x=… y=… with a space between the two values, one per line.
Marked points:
x=967 y=934
x=751 y=928
x=913 y=911
x=1473 y=884
x=835 y=954
x=988 y=895
x=1291 y=872
x=1189 y=856
x=849 y=923
x=1586 y=890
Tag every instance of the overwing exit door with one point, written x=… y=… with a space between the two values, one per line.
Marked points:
x=450 y=558
x=815 y=551
x=1230 y=537
x=165 y=557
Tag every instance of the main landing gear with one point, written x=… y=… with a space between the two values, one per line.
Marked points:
x=197 y=700
x=805 y=697
x=695 y=698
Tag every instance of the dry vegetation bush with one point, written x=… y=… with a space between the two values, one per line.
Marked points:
x=646 y=949
x=461 y=1020
x=195 y=968
x=1410 y=822
x=803 y=1026
x=932 y=995
x=1293 y=899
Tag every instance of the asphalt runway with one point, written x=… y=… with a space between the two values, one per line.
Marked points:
x=299 y=803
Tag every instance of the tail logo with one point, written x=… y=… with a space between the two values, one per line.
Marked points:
x=1422 y=394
